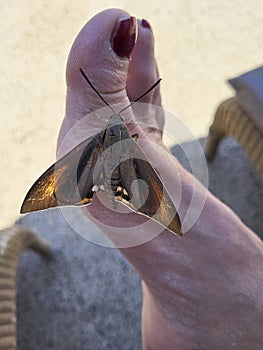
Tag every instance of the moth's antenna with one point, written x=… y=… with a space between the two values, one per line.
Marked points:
x=137 y=99
x=97 y=92
x=106 y=103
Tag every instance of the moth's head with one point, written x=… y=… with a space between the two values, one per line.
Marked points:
x=115 y=119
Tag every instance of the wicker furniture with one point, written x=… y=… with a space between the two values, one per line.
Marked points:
x=231 y=120
x=13 y=241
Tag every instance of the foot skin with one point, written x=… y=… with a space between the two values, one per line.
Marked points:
x=202 y=291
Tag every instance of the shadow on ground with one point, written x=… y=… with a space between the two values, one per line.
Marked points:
x=88 y=297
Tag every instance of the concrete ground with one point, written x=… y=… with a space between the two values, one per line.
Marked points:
x=88 y=297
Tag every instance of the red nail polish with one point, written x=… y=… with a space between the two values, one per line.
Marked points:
x=145 y=24
x=124 y=36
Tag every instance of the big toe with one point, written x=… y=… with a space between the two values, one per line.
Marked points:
x=119 y=67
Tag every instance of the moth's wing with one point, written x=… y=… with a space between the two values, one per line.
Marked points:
x=146 y=193
x=67 y=182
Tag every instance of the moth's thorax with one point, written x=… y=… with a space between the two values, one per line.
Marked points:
x=115 y=131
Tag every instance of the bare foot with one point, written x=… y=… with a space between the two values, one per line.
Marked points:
x=202 y=291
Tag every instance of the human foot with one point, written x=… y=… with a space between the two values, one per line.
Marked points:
x=201 y=291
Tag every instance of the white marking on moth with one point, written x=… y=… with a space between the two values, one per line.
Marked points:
x=95 y=188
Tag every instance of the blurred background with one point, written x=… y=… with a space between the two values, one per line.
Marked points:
x=199 y=44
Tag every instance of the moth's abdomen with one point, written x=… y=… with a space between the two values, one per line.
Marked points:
x=114 y=183
x=114 y=179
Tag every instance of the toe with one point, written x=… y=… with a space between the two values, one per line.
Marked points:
x=118 y=66
x=143 y=73
x=92 y=51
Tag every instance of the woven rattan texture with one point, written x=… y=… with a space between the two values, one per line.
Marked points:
x=13 y=241
x=231 y=120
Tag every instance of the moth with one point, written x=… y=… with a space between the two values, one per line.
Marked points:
x=113 y=162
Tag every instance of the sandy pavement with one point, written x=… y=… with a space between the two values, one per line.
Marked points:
x=199 y=44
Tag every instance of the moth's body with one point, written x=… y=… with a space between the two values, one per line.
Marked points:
x=111 y=155
x=114 y=143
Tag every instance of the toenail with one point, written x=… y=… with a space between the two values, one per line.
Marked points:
x=124 y=36
x=145 y=24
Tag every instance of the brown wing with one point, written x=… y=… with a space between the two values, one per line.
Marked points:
x=67 y=182
x=146 y=193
